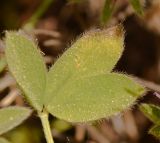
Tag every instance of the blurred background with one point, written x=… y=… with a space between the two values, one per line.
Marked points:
x=59 y=25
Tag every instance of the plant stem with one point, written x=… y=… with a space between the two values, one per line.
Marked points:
x=40 y=11
x=107 y=11
x=46 y=127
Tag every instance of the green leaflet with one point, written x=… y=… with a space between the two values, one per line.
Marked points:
x=155 y=130
x=137 y=6
x=3 y=140
x=80 y=85
x=90 y=98
x=27 y=66
x=152 y=112
x=11 y=117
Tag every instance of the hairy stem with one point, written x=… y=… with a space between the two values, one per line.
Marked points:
x=46 y=127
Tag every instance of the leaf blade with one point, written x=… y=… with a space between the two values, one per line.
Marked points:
x=27 y=66
x=91 y=98
x=12 y=117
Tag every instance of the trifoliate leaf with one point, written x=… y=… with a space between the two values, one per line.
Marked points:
x=27 y=66
x=11 y=117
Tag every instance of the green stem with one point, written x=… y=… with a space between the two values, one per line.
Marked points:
x=40 y=11
x=46 y=127
x=107 y=11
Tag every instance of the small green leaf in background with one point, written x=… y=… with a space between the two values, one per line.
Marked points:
x=11 y=117
x=60 y=125
x=27 y=66
x=155 y=130
x=3 y=140
x=3 y=64
x=25 y=133
x=152 y=112
x=107 y=11
x=137 y=6
x=80 y=85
